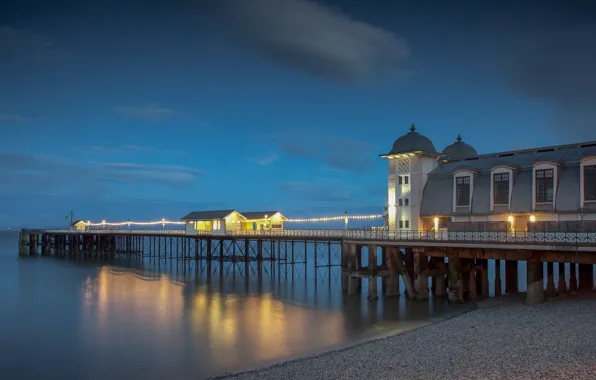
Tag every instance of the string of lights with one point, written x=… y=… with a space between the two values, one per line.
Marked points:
x=131 y=223
x=300 y=220
x=333 y=218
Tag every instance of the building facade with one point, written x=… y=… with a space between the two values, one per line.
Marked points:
x=543 y=189
x=218 y=222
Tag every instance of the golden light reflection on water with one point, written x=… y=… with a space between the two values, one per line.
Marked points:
x=227 y=330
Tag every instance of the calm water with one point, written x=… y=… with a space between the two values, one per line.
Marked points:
x=156 y=320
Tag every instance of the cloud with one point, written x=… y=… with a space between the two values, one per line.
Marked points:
x=25 y=173
x=148 y=112
x=265 y=161
x=337 y=153
x=312 y=38
x=14 y=118
x=127 y=149
x=27 y=45
x=558 y=67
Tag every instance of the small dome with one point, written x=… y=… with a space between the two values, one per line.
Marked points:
x=413 y=142
x=459 y=150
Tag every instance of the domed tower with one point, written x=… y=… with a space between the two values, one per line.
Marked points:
x=459 y=150
x=411 y=158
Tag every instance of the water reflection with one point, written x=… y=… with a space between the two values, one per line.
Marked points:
x=178 y=319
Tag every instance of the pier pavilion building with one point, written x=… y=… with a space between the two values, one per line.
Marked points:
x=542 y=189
x=218 y=222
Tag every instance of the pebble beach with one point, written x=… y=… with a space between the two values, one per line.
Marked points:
x=502 y=339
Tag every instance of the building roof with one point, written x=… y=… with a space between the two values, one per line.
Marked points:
x=459 y=150
x=412 y=142
x=438 y=191
x=76 y=222
x=261 y=214
x=207 y=215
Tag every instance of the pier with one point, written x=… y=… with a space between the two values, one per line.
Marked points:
x=429 y=263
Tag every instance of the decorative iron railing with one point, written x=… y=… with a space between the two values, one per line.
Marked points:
x=559 y=238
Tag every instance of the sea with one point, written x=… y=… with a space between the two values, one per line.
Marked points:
x=175 y=319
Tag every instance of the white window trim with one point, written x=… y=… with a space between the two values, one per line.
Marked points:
x=456 y=175
x=586 y=161
x=540 y=166
x=499 y=170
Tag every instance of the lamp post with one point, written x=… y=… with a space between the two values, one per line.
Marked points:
x=163 y=223
x=345 y=220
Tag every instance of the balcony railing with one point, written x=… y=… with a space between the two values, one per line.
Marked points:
x=557 y=238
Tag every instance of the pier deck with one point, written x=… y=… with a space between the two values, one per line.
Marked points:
x=456 y=262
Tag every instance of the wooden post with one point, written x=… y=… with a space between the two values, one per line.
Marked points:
x=372 y=267
x=456 y=286
x=440 y=290
x=420 y=276
x=405 y=275
x=498 y=285
x=472 y=291
x=550 y=279
x=511 y=282
x=586 y=277
x=392 y=288
x=562 y=285
x=572 y=279
x=484 y=279
x=535 y=293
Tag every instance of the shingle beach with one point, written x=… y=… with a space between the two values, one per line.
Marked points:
x=502 y=339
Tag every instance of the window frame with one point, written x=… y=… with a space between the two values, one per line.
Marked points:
x=406 y=202
x=469 y=190
x=407 y=224
x=540 y=166
x=500 y=181
x=463 y=172
x=589 y=161
x=545 y=199
x=401 y=224
x=593 y=169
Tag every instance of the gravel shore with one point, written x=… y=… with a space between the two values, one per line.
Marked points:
x=502 y=339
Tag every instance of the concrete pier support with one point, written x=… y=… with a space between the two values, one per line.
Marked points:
x=392 y=282
x=511 y=284
x=440 y=290
x=498 y=284
x=586 y=278
x=550 y=279
x=484 y=279
x=372 y=288
x=472 y=285
x=572 y=279
x=420 y=276
x=372 y=267
x=562 y=283
x=456 y=285
x=535 y=293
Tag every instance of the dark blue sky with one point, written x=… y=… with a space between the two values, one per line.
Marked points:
x=151 y=109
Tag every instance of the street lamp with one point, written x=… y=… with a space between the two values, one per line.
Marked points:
x=346 y=220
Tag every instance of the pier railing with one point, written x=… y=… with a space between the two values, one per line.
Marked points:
x=521 y=237
x=442 y=236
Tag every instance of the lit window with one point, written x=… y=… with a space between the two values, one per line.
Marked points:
x=501 y=188
x=400 y=202
x=544 y=185
x=401 y=224
x=407 y=224
x=590 y=183
x=462 y=191
x=406 y=201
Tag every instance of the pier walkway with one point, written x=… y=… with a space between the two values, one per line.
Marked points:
x=457 y=261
